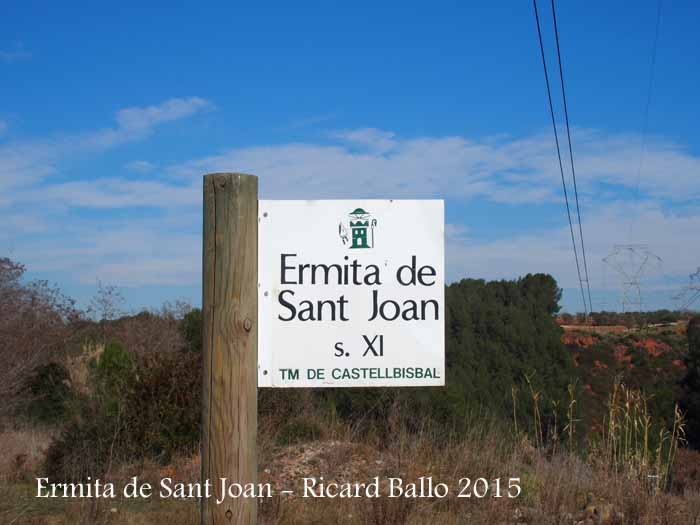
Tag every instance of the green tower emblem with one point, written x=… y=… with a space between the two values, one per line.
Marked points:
x=361 y=229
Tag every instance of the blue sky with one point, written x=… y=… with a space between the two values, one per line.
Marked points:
x=109 y=117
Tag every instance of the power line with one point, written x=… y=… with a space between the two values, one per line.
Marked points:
x=561 y=166
x=571 y=157
x=645 y=128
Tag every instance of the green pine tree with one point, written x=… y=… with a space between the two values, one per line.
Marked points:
x=691 y=384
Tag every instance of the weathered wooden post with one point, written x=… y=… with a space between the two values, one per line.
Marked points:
x=230 y=316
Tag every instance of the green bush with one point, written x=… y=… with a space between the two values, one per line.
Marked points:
x=114 y=367
x=191 y=330
x=145 y=407
x=112 y=376
x=690 y=402
x=86 y=447
x=163 y=408
x=50 y=394
x=96 y=436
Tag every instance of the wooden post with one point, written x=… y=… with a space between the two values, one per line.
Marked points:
x=230 y=315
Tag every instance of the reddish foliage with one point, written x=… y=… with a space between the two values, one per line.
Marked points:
x=578 y=339
x=598 y=364
x=622 y=355
x=653 y=347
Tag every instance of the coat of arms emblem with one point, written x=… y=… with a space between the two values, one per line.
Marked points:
x=359 y=233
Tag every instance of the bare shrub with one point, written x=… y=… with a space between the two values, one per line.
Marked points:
x=107 y=303
x=147 y=332
x=35 y=321
x=23 y=451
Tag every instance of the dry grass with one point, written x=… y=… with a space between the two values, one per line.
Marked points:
x=22 y=451
x=79 y=368
x=636 y=446
x=557 y=486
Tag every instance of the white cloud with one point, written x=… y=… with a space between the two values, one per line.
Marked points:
x=25 y=163
x=140 y=166
x=121 y=250
x=369 y=162
x=456 y=232
x=423 y=167
x=22 y=164
x=138 y=122
x=359 y=164
x=16 y=53
x=117 y=193
x=524 y=171
x=375 y=140
x=137 y=119
x=669 y=235
x=28 y=221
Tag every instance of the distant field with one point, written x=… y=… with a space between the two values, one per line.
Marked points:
x=678 y=326
x=612 y=329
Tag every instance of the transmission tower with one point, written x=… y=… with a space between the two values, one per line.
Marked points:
x=632 y=262
x=691 y=292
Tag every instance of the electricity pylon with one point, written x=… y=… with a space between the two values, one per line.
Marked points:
x=691 y=292
x=632 y=262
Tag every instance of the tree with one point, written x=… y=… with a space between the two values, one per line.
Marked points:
x=690 y=403
x=191 y=329
x=50 y=391
x=35 y=320
x=497 y=333
x=106 y=304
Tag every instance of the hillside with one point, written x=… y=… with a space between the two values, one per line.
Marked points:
x=554 y=407
x=650 y=359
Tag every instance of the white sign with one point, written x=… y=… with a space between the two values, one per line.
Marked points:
x=351 y=293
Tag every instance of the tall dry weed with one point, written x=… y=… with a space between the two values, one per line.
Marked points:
x=633 y=444
x=22 y=452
